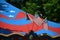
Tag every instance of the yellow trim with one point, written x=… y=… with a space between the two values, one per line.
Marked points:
x=50 y=36
x=23 y=35
x=11 y=34
x=53 y=36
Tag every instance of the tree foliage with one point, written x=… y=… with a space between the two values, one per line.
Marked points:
x=49 y=8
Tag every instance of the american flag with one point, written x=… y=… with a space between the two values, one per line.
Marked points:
x=45 y=24
x=38 y=21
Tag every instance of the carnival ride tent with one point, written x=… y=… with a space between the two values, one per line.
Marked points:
x=13 y=20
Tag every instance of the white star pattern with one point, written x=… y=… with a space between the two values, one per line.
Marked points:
x=4 y=5
x=1 y=11
x=10 y=16
x=12 y=11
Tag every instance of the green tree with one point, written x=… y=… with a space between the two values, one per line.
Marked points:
x=49 y=8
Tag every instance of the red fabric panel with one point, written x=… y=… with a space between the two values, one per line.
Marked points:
x=20 y=15
x=19 y=28
x=57 y=30
x=3 y=16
